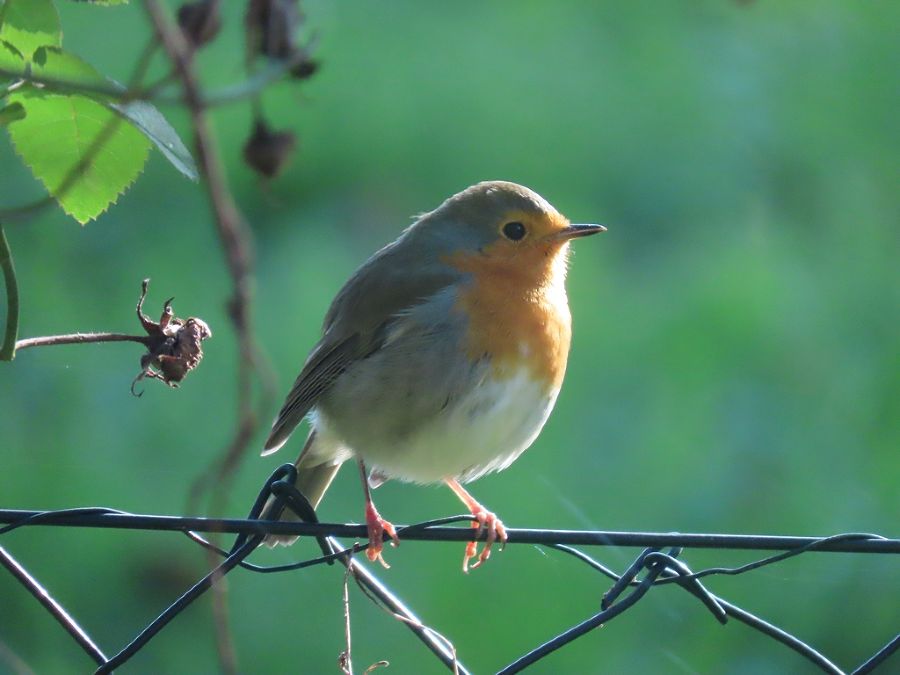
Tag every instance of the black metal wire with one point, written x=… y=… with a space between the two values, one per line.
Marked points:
x=612 y=610
x=677 y=572
x=110 y=518
x=880 y=657
x=279 y=493
x=57 y=611
x=179 y=605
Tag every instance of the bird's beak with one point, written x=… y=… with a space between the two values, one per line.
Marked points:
x=574 y=231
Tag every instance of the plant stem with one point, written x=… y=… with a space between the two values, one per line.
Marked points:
x=8 y=350
x=78 y=339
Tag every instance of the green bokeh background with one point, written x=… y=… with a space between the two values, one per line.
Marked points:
x=735 y=357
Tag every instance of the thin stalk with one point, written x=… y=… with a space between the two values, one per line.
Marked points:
x=8 y=350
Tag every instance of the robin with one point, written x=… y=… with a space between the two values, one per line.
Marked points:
x=442 y=356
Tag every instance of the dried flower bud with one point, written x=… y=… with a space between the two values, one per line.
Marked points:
x=200 y=21
x=267 y=151
x=306 y=67
x=271 y=27
x=173 y=344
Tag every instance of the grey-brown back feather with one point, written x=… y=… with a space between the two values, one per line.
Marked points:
x=355 y=326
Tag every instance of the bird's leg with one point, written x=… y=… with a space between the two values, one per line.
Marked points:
x=483 y=519
x=376 y=525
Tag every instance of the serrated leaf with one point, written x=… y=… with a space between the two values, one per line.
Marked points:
x=69 y=73
x=11 y=113
x=30 y=24
x=154 y=126
x=57 y=140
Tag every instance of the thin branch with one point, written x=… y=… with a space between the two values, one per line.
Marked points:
x=13 y=661
x=230 y=225
x=234 y=93
x=28 y=210
x=236 y=242
x=373 y=587
x=80 y=338
x=8 y=350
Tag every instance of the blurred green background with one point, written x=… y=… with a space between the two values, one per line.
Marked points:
x=734 y=365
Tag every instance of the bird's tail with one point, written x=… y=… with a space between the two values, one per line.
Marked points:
x=313 y=478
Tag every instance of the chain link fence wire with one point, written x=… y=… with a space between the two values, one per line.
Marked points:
x=653 y=567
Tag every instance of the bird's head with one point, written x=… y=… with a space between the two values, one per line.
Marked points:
x=498 y=222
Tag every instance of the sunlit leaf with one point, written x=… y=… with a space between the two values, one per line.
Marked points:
x=84 y=153
x=30 y=24
x=66 y=72
x=62 y=66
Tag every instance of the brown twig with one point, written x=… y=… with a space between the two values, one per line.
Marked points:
x=379 y=594
x=15 y=662
x=79 y=338
x=11 y=331
x=272 y=73
x=236 y=242
x=230 y=224
x=173 y=344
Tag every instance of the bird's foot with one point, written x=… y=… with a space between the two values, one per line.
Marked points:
x=377 y=527
x=484 y=520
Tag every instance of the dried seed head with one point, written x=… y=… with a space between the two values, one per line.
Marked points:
x=268 y=151
x=200 y=21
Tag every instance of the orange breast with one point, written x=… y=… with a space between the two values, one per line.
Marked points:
x=517 y=309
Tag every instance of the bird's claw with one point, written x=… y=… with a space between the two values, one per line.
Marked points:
x=484 y=519
x=377 y=527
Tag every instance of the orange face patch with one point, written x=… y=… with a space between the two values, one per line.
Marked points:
x=516 y=302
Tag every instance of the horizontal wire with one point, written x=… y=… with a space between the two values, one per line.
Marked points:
x=661 y=568
x=99 y=517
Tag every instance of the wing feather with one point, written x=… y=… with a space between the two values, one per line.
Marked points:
x=357 y=324
x=318 y=373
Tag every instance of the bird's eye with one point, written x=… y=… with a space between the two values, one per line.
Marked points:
x=514 y=231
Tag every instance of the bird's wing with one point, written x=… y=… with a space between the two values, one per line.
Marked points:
x=356 y=326
x=324 y=365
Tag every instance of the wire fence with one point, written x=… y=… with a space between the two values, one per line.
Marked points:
x=653 y=567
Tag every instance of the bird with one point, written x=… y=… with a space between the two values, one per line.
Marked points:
x=441 y=357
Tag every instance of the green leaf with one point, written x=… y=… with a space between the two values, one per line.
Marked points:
x=69 y=73
x=30 y=24
x=11 y=113
x=59 y=70
x=58 y=140
x=154 y=126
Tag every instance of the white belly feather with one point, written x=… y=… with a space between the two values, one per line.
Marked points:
x=484 y=431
